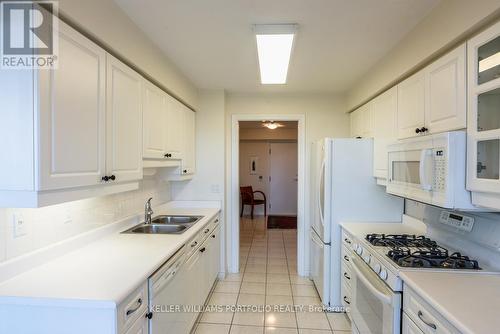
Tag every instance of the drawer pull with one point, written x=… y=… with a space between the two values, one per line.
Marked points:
x=149 y=315
x=213 y=236
x=346 y=258
x=207 y=230
x=347 y=276
x=347 y=241
x=347 y=300
x=133 y=310
x=194 y=244
x=203 y=249
x=430 y=324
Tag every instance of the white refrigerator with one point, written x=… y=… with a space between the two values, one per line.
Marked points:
x=344 y=190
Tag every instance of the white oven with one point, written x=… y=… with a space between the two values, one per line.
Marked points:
x=375 y=307
x=430 y=169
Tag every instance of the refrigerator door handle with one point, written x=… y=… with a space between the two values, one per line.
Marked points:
x=321 y=180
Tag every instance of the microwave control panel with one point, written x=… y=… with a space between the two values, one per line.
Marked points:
x=440 y=167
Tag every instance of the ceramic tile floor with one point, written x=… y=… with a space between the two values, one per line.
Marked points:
x=268 y=277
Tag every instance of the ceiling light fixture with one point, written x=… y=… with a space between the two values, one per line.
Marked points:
x=274 y=48
x=271 y=125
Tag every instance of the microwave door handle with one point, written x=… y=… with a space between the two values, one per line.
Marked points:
x=424 y=155
x=363 y=277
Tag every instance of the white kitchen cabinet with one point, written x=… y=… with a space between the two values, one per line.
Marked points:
x=445 y=96
x=154 y=121
x=141 y=326
x=411 y=105
x=409 y=326
x=433 y=100
x=384 y=120
x=361 y=122
x=189 y=152
x=53 y=126
x=483 y=121
x=174 y=143
x=123 y=122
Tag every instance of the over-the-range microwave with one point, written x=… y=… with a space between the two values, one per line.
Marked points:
x=430 y=169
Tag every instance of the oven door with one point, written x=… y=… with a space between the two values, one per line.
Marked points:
x=375 y=308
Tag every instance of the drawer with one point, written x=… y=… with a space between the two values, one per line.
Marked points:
x=346 y=256
x=345 y=293
x=424 y=315
x=347 y=239
x=346 y=274
x=409 y=327
x=133 y=307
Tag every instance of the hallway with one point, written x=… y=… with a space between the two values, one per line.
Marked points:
x=269 y=286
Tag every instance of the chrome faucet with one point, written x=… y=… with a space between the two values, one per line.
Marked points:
x=148 y=211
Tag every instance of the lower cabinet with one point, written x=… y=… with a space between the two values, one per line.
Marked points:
x=409 y=327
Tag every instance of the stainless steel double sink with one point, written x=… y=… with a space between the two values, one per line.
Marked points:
x=166 y=224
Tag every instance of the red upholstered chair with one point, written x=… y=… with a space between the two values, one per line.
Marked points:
x=247 y=198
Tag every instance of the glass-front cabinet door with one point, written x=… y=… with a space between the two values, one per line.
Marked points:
x=483 y=128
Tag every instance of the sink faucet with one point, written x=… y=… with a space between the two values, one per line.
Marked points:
x=148 y=211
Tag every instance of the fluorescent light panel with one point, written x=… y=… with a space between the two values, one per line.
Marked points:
x=274 y=48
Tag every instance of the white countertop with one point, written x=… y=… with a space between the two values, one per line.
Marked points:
x=470 y=302
x=408 y=225
x=103 y=272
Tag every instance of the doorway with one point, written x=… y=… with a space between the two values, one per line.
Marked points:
x=274 y=165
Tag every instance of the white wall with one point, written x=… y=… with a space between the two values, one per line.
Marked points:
x=268 y=134
x=449 y=22
x=324 y=117
x=48 y=225
x=107 y=23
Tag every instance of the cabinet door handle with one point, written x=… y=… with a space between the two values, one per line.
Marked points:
x=207 y=230
x=347 y=276
x=185 y=171
x=112 y=177
x=132 y=310
x=417 y=130
x=423 y=129
x=347 y=241
x=149 y=315
x=105 y=178
x=347 y=300
x=430 y=324
x=346 y=258
x=203 y=249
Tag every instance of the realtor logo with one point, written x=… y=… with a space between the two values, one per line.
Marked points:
x=28 y=34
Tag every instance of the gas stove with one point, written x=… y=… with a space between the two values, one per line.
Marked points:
x=412 y=251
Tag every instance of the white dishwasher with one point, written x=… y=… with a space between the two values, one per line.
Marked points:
x=167 y=296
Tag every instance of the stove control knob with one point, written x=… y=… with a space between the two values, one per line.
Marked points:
x=354 y=247
x=367 y=258
x=359 y=250
x=377 y=268
x=383 y=274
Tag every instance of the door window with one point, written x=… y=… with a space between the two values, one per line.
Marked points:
x=488 y=110
x=488 y=62
x=488 y=159
x=406 y=171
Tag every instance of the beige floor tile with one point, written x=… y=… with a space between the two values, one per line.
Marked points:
x=277 y=330
x=276 y=269
x=227 y=287
x=255 y=268
x=253 y=288
x=254 y=277
x=278 y=289
x=296 y=279
x=251 y=299
x=278 y=278
x=339 y=321
x=279 y=300
x=312 y=320
x=307 y=301
x=212 y=329
x=281 y=319
x=236 y=329
x=304 y=290
x=233 y=278
x=256 y=260
x=314 y=331
x=223 y=298
x=217 y=318
x=249 y=318
x=276 y=261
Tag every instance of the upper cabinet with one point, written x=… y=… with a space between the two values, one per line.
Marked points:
x=483 y=125
x=155 y=121
x=73 y=132
x=189 y=158
x=384 y=125
x=434 y=100
x=175 y=129
x=361 y=122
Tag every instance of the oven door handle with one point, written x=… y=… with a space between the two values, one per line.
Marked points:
x=364 y=276
x=424 y=155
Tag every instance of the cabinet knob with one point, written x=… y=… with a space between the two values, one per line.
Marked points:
x=203 y=249
x=168 y=155
x=112 y=177
x=417 y=130
x=149 y=315
x=423 y=129
x=105 y=178
x=213 y=236
x=185 y=171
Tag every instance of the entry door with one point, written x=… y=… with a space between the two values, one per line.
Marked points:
x=283 y=183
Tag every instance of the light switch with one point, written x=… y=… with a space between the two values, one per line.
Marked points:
x=20 y=228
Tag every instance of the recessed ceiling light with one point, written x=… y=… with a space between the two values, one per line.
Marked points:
x=274 y=48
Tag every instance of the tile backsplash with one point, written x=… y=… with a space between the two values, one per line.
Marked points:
x=45 y=226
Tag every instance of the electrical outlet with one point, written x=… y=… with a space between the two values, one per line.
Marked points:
x=20 y=228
